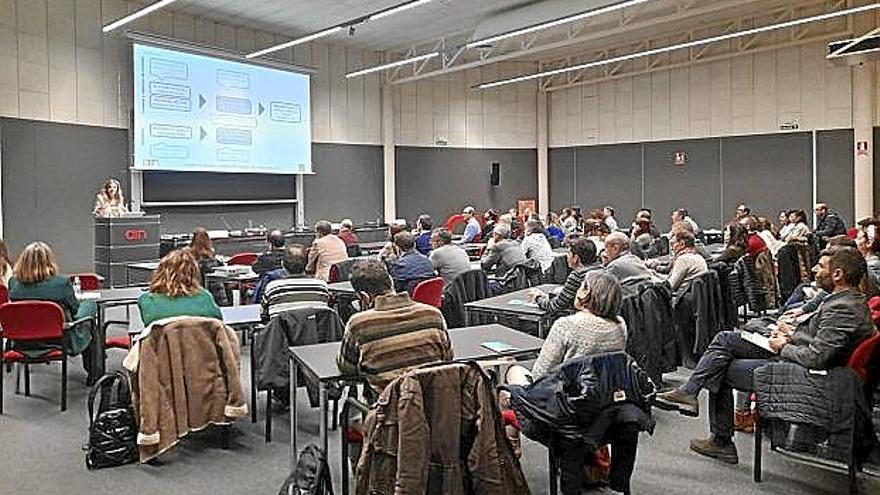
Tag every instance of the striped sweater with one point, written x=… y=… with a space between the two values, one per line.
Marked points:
x=396 y=335
x=294 y=292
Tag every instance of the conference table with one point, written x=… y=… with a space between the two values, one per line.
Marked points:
x=514 y=304
x=318 y=363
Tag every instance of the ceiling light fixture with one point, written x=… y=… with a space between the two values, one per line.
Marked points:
x=689 y=44
x=136 y=15
x=391 y=65
x=556 y=22
x=339 y=27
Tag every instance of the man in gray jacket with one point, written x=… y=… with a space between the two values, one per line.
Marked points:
x=620 y=262
x=502 y=254
x=825 y=341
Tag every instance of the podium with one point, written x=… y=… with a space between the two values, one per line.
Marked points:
x=120 y=241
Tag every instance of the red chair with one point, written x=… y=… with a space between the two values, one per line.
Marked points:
x=34 y=321
x=429 y=292
x=4 y=295
x=243 y=259
x=87 y=281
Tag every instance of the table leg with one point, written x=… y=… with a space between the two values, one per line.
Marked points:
x=542 y=328
x=467 y=317
x=254 y=387
x=293 y=379
x=322 y=391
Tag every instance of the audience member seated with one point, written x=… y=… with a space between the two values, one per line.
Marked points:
x=411 y=266
x=825 y=341
x=326 y=251
x=535 y=245
x=472 y=230
x=681 y=215
x=581 y=259
x=828 y=223
x=176 y=290
x=502 y=253
x=765 y=229
x=867 y=245
x=798 y=229
x=35 y=277
x=271 y=259
x=490 y=218
x=663 y=264
x=596 y=231
x=620 y=262
x=5 y=265
x=388 y=253
x=447 y=258
x=570 y=222
x=554 y=227
x=686 y=264
x=346 y=233
x=742 y=210
x=609 y=219
x=806 y=297
x=784 y=224
x=202 y=250
x=393 y=334
x=755 y=243
x=423 y=235
x=291 y=288
x=737 y=237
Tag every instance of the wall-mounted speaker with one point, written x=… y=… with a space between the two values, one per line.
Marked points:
x=495 y=174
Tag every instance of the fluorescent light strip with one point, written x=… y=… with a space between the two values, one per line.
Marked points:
x=398 y=9
x=136 y=15
x=557 y=22
x=392 y=65
x=330 y=31
x=298 y=41
x=690 y=44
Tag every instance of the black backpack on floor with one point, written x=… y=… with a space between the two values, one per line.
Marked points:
x=311 y=476
x=112 y=427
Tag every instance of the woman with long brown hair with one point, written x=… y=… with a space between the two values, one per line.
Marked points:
x=36 y=279
x=110 y=202
x=176 y=290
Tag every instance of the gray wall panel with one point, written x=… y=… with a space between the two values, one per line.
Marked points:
x=609 y=175
x=348 y=183
x=440 y=181
x=695 y=185
x=561 y=177
x=51 y=173
x=769 y=172
x=834 y=172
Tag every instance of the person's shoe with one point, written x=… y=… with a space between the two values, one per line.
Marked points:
x=676 y=400
x=709 y=447
x=744 y=420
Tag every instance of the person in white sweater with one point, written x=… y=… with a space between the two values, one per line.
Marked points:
x=535 y=245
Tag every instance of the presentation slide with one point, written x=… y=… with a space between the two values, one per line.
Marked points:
x=199 y=113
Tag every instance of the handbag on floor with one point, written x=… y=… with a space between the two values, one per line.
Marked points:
x=112 y=426
x=311 y=476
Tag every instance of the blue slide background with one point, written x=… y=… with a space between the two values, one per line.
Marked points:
x=199 y=113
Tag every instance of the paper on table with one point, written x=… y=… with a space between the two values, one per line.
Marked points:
x=520 y=302
x=758 y=340
x=497 y=346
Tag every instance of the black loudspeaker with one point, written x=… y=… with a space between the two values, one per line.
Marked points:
x=495 y=174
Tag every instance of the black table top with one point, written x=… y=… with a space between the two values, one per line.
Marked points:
x=320 y=359
x=513 y=302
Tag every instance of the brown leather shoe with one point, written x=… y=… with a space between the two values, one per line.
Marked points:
x=744 y=420
x=676 y=400
x=709 y=447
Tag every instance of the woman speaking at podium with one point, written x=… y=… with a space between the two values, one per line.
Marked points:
x=110 y=202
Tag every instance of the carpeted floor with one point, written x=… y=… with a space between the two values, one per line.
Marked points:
x=40 y=453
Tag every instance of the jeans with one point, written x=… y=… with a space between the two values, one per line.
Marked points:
x=726 y=365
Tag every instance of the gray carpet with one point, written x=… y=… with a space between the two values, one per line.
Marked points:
x=41 y=454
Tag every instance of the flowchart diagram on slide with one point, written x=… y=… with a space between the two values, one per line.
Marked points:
x=200 y=113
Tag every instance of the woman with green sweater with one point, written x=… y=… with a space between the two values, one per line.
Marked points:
x=35 y=278
x=176 y=290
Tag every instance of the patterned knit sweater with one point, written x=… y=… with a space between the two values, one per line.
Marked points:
x=580 y=334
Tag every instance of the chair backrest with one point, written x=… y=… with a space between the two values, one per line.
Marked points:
x=429 y=292
x=860 y=358
x=243 y=259
x=4 y=294
x=339 y=272
x=87 y=281
x=32 y=320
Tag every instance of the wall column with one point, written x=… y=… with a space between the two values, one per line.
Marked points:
x=543 y=167
x=390 y=194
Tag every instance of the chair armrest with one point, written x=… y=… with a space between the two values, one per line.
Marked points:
x=70 y=324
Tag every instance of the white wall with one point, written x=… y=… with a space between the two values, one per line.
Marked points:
x=57 y=66
x=445 y=108
x=750 y=94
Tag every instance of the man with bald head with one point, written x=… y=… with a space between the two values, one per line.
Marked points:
x=620 y=262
